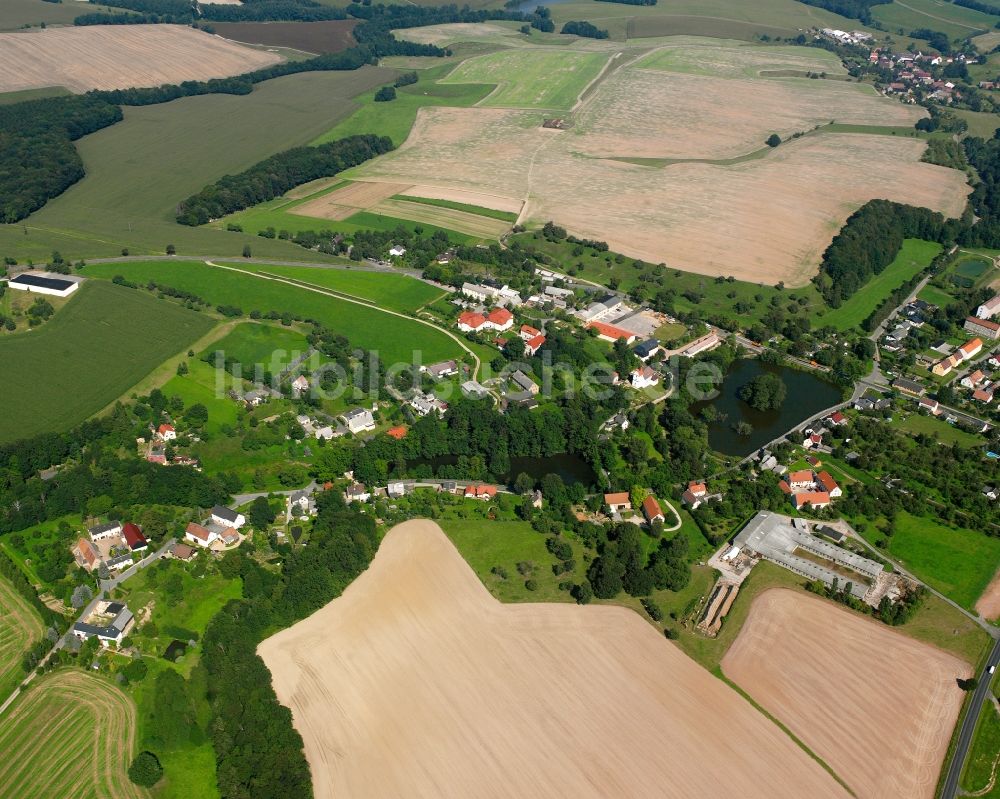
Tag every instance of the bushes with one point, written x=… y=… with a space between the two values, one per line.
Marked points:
x=584 y=29
x=275 y=175
x=145 y=770
x=385 y=94
x=852 y=9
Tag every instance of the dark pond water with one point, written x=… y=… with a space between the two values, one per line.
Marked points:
x=175 y=649
x=807 y=395
x=571 y=468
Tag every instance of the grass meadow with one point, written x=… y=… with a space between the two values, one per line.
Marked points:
x=913 y=258
x=253 y=342
x=478 y=210
x=71 y=734
x=983 y=754
x=395 y=292
x=20 y=628
x=15 y=14
x=531 y=78
x=957 y=22
x=139 y=169
x=199 y=386
x=102 y=343
x=368 y=328
x=957 y=562
x=916 y=423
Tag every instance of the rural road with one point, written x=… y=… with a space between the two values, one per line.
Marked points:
x=966 y=732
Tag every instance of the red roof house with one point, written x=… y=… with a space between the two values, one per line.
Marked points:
x=134 y=538
x=396 y=432
x=651 y=510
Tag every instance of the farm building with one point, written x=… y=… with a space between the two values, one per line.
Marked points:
x=109 y=622
x=199 y=535
x=228 y=517
x=618 y=502
x=45 y=283
x=359 y=420
x=134 y=538
x=982 y=327
x=989 y=308
x=779 y=539
x=103 y=531
x=651 y=510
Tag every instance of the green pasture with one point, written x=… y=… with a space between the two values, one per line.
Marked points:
x=914 y=256
x=531 y=78
x=957 y=22
x=395 y=118
x=724 y=59
x=200 y=386
x=981 y=124
x=103 y=342
x=9 y=98
x=493 y=213
x=935 y=296
x=140 y=169
x=984 y=752
x=916 y=423
x=395 y=339
x=254 y=342
x=957 y=562
x=15 y=14
x=397 y=292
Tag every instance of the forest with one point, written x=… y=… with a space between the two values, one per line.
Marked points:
x=984 y=155
x=185 y=12
x=274 y=176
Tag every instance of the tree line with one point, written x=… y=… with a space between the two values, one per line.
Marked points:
x=258 y=752
x=852 y=9
x=274 y=176
x=186 y=12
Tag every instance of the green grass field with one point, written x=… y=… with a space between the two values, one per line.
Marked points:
x=16 y=14
x=981 y=124
x=8 y=98
x=368 y=328
x=102 y=343
x=532 y=78
x=957 y=562
x=199 y=385
x=20 y=628
x=395 y=292
x=252 y=342
x=506 y=216
x=916 y=423
x=935 y=296
x=914 y=256
x=139 y=169
x=71 y=734
x=394 y=119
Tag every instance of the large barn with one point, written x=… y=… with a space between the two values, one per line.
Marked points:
x=45 y=283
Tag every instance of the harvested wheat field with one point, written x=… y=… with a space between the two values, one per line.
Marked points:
x=120 y=57
x=472 y=224
x=417 y=683
x=988 y=605
x=348 y=200
x=668 y=163
x=71 y=735
x=877 y=706
x=20 y=628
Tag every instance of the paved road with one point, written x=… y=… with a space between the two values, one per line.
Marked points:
x=967 y=730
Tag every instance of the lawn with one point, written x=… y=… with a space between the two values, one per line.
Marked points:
x=71 y=734
x=20 y=628
x=395 y=339
x=532 y=78
x=397 y=292
x=103 y=342
x=914 y=256
x=139 y=169
x=935 y=296
x=201 y=385
x=957 y=562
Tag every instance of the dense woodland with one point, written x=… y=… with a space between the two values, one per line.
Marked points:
x=274 y=176
x=984 y=155
x=185 y=12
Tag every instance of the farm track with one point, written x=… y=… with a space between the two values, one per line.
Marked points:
x=71 y=736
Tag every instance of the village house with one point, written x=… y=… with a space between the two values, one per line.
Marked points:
x=812 y=440
x=695 y=493
x=618 y=502
x=524 y=383
x=989 y=308
x=109 y=623
x=910 y=387
x=652 y=511
x=836 y=419
x=200 y=535
x=533 y=345
x=647 y=349
x=227 y=517
x=397 y=251
x=359 y=420
x=85 y=554
x=498 y=319
x=643 y=377
x=971 y=349
x=255 y=398
x=929 y=405
x=299 y=385
x=423 y=404
x=483 y=492
x=973 y=379
x=182 y=552
x=611 y=333
x=441 y=370
x=830 y=486
x=815 y=499
x=105 y=531
x=134 y=539
x=166 y=432
x=527 y=332
x=300 y=504
x=984 y=395
x=357 y=492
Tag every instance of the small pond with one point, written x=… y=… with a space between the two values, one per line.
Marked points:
x=175 y=649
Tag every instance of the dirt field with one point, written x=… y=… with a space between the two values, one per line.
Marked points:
x=120 y=56
x=417 y=683
x=347 y=201
x=329 y=36
x=877 y=706
x=988 y=605
x=450 y=218
x=71 y=735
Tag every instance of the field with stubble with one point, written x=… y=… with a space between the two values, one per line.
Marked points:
x=877 y=706
x=417 y=683
x=120 y=56
x=665 y=159
x=20 y=628
x=71 y=735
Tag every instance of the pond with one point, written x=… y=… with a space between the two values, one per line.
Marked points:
x=571 y=468
x=175 y=649
x=807 y=395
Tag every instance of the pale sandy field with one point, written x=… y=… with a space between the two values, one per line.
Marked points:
x=782 y=209
x=988 y=605
x=877 y=706
x=119 y=57
x=347 y=201
x=712 y=183
x=417 y=683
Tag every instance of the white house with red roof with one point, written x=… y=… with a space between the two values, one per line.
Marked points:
x=499 y=319
x=166 y=432
x=483 y=492
x=527 y=332
x=643 y=377
x=533 y=345
x=837 y=418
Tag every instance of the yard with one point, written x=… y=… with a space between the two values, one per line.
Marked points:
x=101 y=344
x=916 y=423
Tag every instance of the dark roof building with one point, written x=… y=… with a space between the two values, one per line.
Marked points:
x=647 y=348
x=53 y=285
x=223 y=512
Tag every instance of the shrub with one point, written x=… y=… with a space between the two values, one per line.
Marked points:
x=145 y=770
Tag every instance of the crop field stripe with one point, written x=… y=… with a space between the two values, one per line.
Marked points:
x=103 y=342
x=20 y=628
x=478 y=210
x=71 y=735
x=451 y=218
